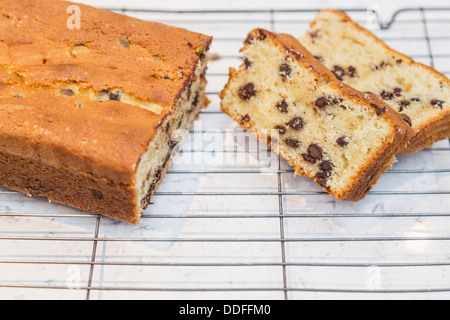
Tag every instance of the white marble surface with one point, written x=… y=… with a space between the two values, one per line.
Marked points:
x=215 y=223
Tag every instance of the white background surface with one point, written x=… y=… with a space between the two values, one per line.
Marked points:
x=261 y=4
x=234 y=231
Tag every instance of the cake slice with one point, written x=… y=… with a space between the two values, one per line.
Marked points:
x=360 y=59
x=89 y=116
x=341 y=138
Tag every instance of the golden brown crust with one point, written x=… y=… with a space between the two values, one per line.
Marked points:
x=428 y=134
x=72 y=188
x=427 y=137
x=148 y=60
x=375 y=167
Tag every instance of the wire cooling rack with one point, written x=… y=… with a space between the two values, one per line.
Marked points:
x=231 y=221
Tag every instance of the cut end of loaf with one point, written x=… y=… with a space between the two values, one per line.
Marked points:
x=156 y=161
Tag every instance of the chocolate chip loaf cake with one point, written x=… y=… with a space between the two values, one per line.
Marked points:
x=88 y=115
x=341 y=138
x=360 y=59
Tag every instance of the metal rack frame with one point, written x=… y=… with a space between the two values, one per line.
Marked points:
x=287 y=288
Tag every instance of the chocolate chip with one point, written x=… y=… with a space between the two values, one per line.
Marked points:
x=398 y=91
x=321 y=102
x=247 y=92
x=285 y=71
x=262 y=35
x=384 y=64
x=124 y=42
x=114 y=96
x=387 y=95
x=293 y=143
x=249 y=39
x=281 y=130
x=351 y=71
x=201 y=54
x=343 y=141
x=407 y=119
x=399 y=61
x=296 y=124
x=315 y=151
x=319 y=58
x=245 y=118
x=309 y=158
x=67 y=92
x=381 y=110
x=438 y=103
x=326 y=166
x=247 y=63
x=322 y=178
x=336 y=100
x=404 y=104
x=339 y=72
x=97 y=194
x=282 y=106
x=415 y=99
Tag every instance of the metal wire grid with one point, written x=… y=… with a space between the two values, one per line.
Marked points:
x=237 y=232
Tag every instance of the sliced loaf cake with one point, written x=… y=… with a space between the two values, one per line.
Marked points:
x=341 y=138
x=89 y=117
x=360 y=59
